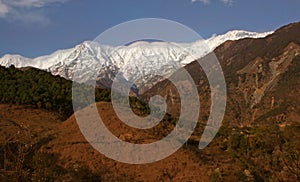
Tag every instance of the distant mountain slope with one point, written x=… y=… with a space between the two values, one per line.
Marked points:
x=262 y=75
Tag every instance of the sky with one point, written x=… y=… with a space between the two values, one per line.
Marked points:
x=33 y=28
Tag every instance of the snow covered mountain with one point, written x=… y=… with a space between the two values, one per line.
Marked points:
x=145 y=63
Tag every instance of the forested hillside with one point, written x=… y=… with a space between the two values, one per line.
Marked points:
x=29 y=86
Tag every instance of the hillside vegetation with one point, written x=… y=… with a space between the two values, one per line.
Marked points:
x=29 y=86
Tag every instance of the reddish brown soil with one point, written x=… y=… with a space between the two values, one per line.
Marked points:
x=187 y=164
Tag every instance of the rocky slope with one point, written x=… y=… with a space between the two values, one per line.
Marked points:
x=257 y=72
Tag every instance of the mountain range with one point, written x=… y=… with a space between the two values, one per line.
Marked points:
x=131 y=60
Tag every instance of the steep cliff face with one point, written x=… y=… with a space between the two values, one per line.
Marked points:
x=258 y=81
x=256 y=72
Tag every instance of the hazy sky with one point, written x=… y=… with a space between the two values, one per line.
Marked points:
x=38 y=27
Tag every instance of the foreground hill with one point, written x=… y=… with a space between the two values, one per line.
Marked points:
x=75 y=152
x=23 y=131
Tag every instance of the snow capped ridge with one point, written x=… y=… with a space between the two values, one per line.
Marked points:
x=217 y=40
x=245 y=34
x=42 y=62
x=16 y=60
x=142 y=62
